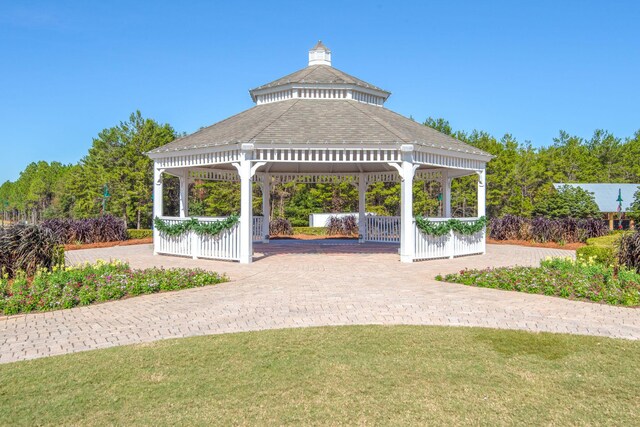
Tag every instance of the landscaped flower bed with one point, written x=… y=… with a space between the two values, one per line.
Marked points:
x=561 y=277
x=71 y=286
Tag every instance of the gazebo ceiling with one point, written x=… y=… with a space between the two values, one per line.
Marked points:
x=324 y=168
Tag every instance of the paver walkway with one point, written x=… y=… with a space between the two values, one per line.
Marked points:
x=337 y=284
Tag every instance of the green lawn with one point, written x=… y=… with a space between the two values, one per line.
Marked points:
x=343 y=375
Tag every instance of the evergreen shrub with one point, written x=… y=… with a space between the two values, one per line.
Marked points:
x=139 y=234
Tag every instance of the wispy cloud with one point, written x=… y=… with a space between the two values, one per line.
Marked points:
x=31 y=17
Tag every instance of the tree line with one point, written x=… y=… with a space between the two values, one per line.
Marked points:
x=114 y=165
x=116 y=175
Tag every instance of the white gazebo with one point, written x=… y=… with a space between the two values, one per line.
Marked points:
x=318 y=125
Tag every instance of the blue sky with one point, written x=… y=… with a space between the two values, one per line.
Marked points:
x=530 y=68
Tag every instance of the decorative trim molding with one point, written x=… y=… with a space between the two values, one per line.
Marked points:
x=311 y=178
x=352 y=91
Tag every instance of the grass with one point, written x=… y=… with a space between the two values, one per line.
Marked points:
x=396 y=375
x=310 y=231
x=607 y=241
x=135 y=234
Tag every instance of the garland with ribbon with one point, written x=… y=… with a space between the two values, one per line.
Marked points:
x=441 y=228
x=192 y=224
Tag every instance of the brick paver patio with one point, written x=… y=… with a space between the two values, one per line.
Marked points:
x=297 y=284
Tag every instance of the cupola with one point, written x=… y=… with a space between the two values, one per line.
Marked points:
x=319 y=81
x=320 y=55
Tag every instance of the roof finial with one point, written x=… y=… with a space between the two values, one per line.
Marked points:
x=320 y=55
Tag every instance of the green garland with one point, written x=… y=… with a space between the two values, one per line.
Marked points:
x=192 y=224
x=442 y=228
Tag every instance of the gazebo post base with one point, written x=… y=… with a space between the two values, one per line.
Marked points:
x=406 y=258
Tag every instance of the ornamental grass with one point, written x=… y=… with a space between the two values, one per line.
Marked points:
x=280 y=227
x=629 y=250
x=86 y=284
x=581 y=279
x=542 y=230
x=27 y=248
x=346 y=225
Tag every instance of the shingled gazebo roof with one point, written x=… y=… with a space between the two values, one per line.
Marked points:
x=319 y=74
x=319 y=105
x=321 y=122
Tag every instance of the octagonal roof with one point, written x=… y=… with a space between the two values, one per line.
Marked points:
x=319 y=105
x=318 y=74
x=325 y=122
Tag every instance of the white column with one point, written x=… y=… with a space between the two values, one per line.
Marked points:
x=246 y=206
x=407 y=248
x=157 y=205
x=446 y=196
x=482 y=192
x=184 y=194
x=266 y=207
x=362 y=202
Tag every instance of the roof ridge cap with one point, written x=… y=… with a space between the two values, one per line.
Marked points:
x=336 y=72
x=308 y=67
x=295 y=101
x=456 y=140
x=359 y=82
x=204 y=128
x=266 y=85
x=381 y=122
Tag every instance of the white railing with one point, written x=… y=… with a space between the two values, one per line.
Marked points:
x=173 y=245
x=258 y=221
x=224 y=245
x=382 y=229
x=449 y=245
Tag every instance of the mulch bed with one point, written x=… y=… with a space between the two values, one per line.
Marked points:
x=109 y=244
x=550 y=245
x=310 y=237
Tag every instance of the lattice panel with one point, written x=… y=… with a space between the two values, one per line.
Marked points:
x=329 y=155
x=215 y=175
x=303 y=178
x=428 y=175
x=314 y=179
